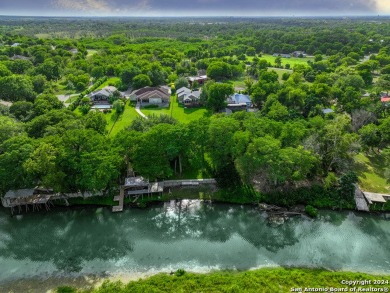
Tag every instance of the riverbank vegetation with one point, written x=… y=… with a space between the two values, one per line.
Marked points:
x=262 y=280
x=305 y=140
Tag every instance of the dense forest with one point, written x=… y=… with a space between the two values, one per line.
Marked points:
x=287 y=140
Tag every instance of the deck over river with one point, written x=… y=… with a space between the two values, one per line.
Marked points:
x=192 y=235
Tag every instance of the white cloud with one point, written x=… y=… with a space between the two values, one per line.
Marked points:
x=383 y=6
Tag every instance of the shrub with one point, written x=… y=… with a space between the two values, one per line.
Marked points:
x=180 y=272
x=151 y=106
x=66 y=289
x=311 y=211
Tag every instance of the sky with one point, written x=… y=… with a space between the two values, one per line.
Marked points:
x=194 y=7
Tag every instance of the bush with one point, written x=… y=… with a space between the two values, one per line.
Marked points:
x=151 y=106
x=180 y=272
x=311 y=211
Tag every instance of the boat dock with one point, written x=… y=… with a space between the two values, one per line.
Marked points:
x=364 y=199
x=138 y=187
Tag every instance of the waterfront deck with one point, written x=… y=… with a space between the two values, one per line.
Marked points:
x=376 y=197
x=120 y=199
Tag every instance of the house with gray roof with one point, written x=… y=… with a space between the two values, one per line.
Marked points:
x=100 y=98
x=188 y=97
x=238 y=102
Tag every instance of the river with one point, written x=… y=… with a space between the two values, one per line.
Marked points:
x=189 y=235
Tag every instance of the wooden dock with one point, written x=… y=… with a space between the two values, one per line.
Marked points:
x=361 y=203
x=120 y=199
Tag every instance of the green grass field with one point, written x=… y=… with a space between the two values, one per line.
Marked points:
x=292 y=61
x=178 y=111
x=370 y=170
x=122 y=122
x=267 y=280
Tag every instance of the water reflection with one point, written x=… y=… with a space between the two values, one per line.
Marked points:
x=188 y=234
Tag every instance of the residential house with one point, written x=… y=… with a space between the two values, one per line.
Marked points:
x=100 y=98
x=385 y=101
x=160 y=96
x=201 y=79
x=19 y=57
x=327 y=111
x=188 y=97
x=298 y=54
x=15 y=44
x=238 y=102
x=74 y=51
x=282 y=55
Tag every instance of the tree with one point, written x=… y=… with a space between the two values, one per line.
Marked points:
x=278 y=61
x=45 y=103
x=16 y=88
x=219 y=70
x=39 y=83
x=128 y=73
x=42 y=166
x=50 y=69
x=118 y=106
x=22 y=110
x=14 y=152
x=9 y=128
x=95 y=120
x=140 y=81
x=181 y=82
x=4 y=71
x=220 y=144
x=217 y=95
x=370 y=136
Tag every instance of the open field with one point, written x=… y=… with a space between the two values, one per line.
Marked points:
x=292 y=61
x=370 y=170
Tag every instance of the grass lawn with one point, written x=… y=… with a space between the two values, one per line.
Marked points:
x=292 y=61
x=178 y=111
x=72 y=99
x=370 y=170
x=266 y=280
x=280 y=72
x=61 y=89
x=122 y=122
x=110 y=81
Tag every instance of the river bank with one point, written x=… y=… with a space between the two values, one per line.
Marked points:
x=258 y=280
x=315 y=196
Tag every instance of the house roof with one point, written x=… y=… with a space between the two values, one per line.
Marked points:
x=194 y=78
x=240 y=99
x=147 y=92
x=106 y=91
x=385 y=99
x=19 y=193
x=183 y=90
x=327 y=111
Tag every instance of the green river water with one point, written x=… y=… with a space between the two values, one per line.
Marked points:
x=189 y=235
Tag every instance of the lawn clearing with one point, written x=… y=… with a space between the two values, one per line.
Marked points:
x=178 y=111
x=110 y=81
x=292 y=61
x=116 y=124
x=370 y=170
